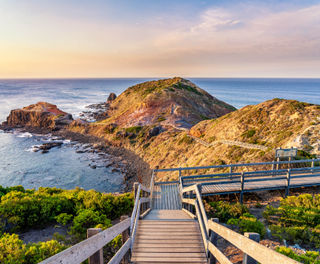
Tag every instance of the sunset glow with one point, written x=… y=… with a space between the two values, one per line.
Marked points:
x=159 y=38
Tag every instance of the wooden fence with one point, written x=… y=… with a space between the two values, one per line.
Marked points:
x=211 y=229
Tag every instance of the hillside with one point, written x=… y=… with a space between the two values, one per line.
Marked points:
x=274 y=123
x=271 y=124
x=176 y=102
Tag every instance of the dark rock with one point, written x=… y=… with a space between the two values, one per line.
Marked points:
x=155 y=131
x=47 y=146
x=112 y=96
x=44 y=151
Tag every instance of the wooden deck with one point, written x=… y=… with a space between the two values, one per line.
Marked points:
x=271 y=184
x=166 y=196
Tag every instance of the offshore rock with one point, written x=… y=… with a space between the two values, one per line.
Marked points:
x=42 y=115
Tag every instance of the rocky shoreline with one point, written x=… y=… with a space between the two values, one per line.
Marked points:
x=121 y=160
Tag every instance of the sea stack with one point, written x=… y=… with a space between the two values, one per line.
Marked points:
x=41 y=115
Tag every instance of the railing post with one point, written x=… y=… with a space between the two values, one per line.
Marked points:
x=272 y=168
x=179 y=173
x=247 y=259
x=278 y=160
x=96 y=258
x=125 y=237
x=312 y=165
x=242 y=187
x=214 y=241
x=135 y=189
x=230 y=171
x=190 y=205
x=288 y=183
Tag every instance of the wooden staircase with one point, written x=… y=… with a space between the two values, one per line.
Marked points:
x=167 y=234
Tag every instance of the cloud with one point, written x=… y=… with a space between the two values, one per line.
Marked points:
x=214 y=20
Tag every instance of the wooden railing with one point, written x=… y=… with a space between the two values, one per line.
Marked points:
x=211 y=229
x=273 y=165
x=94 y=245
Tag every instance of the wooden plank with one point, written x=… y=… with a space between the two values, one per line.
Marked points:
x=86 y=248
x=189 y=188
x=218 y=254
x=168 y=241
x=178 y=245
x=120 y=253
x=255 y=250
x=197 y=249
x=145 y=213
x=170 y=259
x=188 y=201
x=168 y=254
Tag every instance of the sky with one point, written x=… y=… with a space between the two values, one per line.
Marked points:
x=159 y=38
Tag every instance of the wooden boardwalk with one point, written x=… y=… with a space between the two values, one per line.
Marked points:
x=168 y=234
x=216 y=187
x=166 y=196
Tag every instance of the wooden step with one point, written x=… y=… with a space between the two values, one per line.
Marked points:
x=169 y=260
x=157 y=248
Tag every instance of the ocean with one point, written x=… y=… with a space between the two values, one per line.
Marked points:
x=65 y=168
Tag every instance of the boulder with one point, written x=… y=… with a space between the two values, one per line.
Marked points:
x=112 y=97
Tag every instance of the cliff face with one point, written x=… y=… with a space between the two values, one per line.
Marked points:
x=176 y=102
x=40 y=115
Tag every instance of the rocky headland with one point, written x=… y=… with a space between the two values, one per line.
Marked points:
x=173 y=123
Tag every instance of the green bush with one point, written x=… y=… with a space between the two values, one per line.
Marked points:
x=134 y=129
x=88 y=218
x=310 y=257
x=23 y=210
x=297 y=219
x=225 y=210
x=64 y=218
x=13 y=250
x=248 y=223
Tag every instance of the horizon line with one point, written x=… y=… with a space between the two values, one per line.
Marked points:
x=153 y=77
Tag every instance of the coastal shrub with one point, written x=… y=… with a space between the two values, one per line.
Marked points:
x=5 y=190
x=310 y=257
x=64 y=218
x=13 y=250
x=23 y=210
x=134 y=129
x=225 y=210
x=88 y=218
x=185 y=139
x=249 y=133
x=248 y=223
x=297 y=219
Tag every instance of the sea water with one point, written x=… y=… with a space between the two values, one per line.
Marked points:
x=63 y=167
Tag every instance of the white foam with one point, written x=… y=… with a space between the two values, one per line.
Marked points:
x=25 y=135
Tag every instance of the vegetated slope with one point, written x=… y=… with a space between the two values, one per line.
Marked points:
x=274 y=123
x=174 y=101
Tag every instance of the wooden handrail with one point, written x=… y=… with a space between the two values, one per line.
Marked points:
x=239 y=165
x=255 y=250
x=86 y=248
